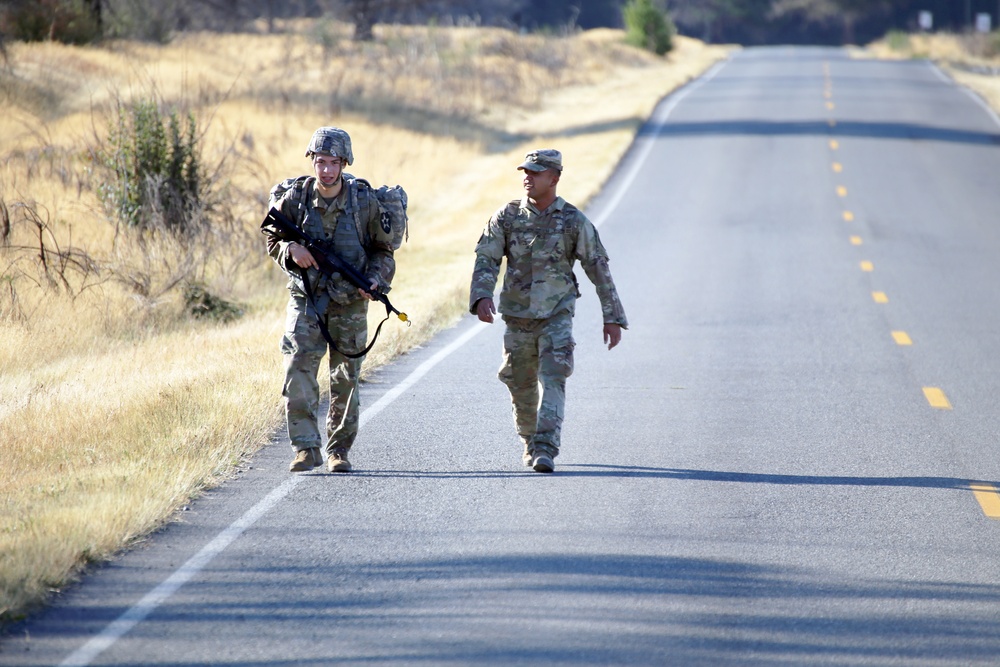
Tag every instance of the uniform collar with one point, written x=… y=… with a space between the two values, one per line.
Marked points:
x=557 y=205
x=320 y=203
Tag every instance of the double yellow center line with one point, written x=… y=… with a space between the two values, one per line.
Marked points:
x=986 y=494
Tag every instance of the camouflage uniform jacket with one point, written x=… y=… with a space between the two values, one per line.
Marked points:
x=351 y=224
x=541 y=248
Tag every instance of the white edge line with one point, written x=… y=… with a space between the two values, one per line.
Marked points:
x=418 y=373
x=144 y=607
x=135 y=615
x=940 y=74
x=976 y=97
x=657 y=121
x=119 y=627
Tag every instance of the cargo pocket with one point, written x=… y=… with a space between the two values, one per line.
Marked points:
x=293 y=315
x=557 y=359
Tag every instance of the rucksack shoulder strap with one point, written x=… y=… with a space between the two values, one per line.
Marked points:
x=359 y=191
x=299 y=189
x=360 y=182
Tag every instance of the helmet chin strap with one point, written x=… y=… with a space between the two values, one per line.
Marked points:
x=339 y=181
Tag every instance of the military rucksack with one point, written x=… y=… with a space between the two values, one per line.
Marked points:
x=394 y=220
x=392 y=202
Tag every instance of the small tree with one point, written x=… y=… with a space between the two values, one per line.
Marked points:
x=648 y=27
x=157 y=177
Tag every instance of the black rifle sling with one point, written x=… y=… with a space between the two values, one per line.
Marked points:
x=324 y=329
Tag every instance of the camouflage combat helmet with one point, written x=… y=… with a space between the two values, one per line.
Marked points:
x=331 y=141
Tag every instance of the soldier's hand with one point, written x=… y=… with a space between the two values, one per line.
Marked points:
x=485 y=310
x=612 y=334
x=301 y=256
x=369 y=293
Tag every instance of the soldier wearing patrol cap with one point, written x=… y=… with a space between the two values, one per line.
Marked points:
x=342 y=211
x=542 y=236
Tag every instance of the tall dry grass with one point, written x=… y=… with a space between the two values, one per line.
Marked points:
x=116 y=407
x=973 y=60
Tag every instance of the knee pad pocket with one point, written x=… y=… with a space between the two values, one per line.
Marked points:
x=559 y=358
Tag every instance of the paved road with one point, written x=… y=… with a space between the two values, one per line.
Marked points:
x=763 y=473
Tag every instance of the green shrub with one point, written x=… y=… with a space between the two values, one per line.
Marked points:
x=202 y=304
x=648 y=27
x=156 y=177
x=897 y=40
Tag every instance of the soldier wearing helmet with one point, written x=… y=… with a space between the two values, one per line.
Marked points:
x=331 y=141
x=542 y=236
x=343 y=212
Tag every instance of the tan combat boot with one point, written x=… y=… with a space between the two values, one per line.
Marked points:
x=305 y=460
x=527 y=455
x=337 y=462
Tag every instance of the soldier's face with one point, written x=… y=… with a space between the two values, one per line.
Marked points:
x=328 y=170
x=540 y=184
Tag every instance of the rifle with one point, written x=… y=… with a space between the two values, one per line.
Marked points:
x=329 y=262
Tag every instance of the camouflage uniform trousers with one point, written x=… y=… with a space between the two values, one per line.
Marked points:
x=538 y=357
x=303 y=347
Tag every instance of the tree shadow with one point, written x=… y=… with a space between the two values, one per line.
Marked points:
x=464 y=127
x=866 y=129
x=598 y=470
x=603 y=470
x=543 y=608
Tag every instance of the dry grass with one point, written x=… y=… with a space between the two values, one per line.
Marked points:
x=115 y=407
x=966 y=58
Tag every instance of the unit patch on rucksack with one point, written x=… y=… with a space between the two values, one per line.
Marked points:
x=392 y=200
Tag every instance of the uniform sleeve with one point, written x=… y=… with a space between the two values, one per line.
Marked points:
x=489 y=253
x=276 y=248
x=381 y=260
x=594 y=259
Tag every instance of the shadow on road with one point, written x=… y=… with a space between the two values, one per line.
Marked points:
x=844 y=128
x=602 y=470
x=683 y=474
x=535 y=608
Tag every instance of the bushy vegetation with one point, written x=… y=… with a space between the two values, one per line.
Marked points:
x=648 y=27
x=897 y=40
x=969 y=50
x=155 y=169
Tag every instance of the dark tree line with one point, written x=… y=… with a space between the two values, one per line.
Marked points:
x=771 y=21
x=734 y=21
x=819 y=21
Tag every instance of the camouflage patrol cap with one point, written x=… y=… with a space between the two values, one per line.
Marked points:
x=542 y=159
x=331 y=141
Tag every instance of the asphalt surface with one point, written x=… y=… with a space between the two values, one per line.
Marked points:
x=792 y=457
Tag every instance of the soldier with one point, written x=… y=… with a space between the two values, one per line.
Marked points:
x=542 y=236
x=335 y=207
